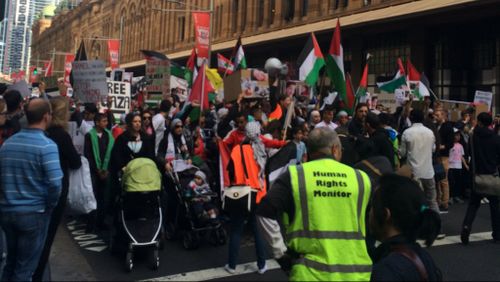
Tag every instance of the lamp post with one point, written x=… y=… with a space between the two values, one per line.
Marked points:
x=195 y=9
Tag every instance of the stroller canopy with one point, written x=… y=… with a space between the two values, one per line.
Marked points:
x=141 y=175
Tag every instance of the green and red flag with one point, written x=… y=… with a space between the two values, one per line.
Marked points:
x=335 y=64
x=310 y=61
x=224 y=65
x=363 y=84
x=398 y=80
x=421 y=90
x=350 y=97
x=238 y=56
x=191 y=68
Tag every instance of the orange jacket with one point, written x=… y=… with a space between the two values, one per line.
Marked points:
x=251 y=167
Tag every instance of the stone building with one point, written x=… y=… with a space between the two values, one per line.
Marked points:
x=455 y=42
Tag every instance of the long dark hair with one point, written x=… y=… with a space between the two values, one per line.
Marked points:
x=410 y=213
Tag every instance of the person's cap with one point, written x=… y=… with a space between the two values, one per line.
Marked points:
x=342 y=114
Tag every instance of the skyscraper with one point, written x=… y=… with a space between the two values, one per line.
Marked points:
x=20 y=16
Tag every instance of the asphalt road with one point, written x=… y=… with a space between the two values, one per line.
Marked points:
x=81 y=256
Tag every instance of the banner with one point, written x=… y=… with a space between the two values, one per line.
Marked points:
x=119 y=92
x=114 y=53
x=89 y=79
x=67 y=68
x=483 y=97
x=158 y=78
x=202 y=35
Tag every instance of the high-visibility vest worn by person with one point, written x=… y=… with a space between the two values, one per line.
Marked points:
x=252 y=168
x=328 y=228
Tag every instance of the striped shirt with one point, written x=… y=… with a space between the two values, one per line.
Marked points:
x=30 y=172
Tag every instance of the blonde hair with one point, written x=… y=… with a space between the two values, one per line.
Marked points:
x=60 y=112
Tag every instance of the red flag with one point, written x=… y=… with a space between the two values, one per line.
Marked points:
x=202 y=35
x=224 y=157
x=201 y=88
x=48 y=68
x=67 y=68
x=401 y=67
x=413 y=74
x=192 y=60
x=349 y=104
x=114 y=53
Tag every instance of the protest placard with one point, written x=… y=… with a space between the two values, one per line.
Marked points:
x=254 y=83
x=89 y=81
x=158 y=77
x=483 y=97
x=388 y=101
x=22 y=87
x=120 y=95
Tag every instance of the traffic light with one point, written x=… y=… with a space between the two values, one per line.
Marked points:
x=35 y=71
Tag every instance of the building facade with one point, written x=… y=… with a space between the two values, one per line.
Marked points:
x=455 y=42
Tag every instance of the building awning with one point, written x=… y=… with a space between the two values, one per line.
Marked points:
x=388 y=13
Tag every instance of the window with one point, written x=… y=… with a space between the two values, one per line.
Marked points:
x=244 y=14
x=260 y=12
x=305 y=7
x=234 y=19
x=484 y=54
x=385 y=53
x=288 y=10
x=367 y=2
x=182 y=23
x=272 y=11
x=335 y=4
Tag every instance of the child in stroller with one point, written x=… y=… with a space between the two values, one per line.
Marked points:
x=200 y=197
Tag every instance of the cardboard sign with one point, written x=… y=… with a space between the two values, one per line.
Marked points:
x=158 y=77
x=90 y=85
x=22 y=87
x=50 y=81
x=388 y=101
x=254 y=83
x=120 y=97
x=483 y=97
x=180 y=86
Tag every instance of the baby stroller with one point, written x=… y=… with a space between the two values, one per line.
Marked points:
x=140 y=213
x=193 y=229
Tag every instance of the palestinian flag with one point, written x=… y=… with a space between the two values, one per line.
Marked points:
x=224 y=65
x=421 y=90
x=191 y=68
x=335 y=63
x=310 y=61
x=224 y=158
x=398 y=80
x=279 y=162
x=201 y=88
x=238 y=56
x=81 y=55
x=351 y=99
x=363 y=84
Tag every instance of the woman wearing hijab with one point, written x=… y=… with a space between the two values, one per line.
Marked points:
x=173 y=146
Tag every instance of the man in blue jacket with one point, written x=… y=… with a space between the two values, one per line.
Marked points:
x=30 y=184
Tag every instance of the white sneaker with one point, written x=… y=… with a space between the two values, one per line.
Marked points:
x=229 y=269
x=262 y=270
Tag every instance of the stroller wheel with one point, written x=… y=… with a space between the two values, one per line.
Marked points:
x=155 y=259
x=129 y=261
x=190 y=240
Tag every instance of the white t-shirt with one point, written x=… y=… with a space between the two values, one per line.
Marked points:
x=86 y=126
x=456 y=154
x=330 y=125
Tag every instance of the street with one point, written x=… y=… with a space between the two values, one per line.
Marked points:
x=80 y=256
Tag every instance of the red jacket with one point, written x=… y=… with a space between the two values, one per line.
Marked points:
x=236 y=137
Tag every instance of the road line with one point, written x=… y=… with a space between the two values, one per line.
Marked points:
x=216 y=273
x=251 y=267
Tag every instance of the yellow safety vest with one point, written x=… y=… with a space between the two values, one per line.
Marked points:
x=328 y=228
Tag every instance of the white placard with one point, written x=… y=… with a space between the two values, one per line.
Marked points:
x=483 y=97
x=89 y=84
x=120 y=95
x=387 y=101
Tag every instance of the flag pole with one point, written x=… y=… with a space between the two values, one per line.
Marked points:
x=202 y=91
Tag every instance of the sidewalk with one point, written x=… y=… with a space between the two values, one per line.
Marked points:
x=66 y=261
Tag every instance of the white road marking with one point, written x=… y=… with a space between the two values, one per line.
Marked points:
x=251 y=267
x=216 y=273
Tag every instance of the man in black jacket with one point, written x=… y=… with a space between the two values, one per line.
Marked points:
x=486 y=160
x=446 y=137
x=380 y=138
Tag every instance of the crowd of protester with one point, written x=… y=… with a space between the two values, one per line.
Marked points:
x=373 y=140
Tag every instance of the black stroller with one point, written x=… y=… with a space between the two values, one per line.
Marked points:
x=185 y=221
x=140 y=214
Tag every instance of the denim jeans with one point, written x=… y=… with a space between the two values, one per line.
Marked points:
x=25 y=235
x=237 y=224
